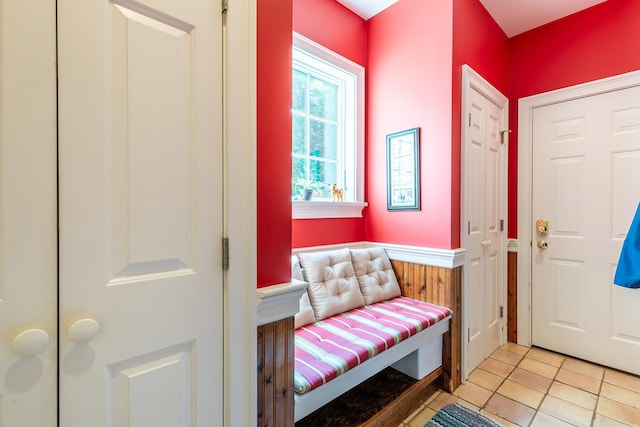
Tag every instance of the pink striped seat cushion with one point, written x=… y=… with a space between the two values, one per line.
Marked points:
x=330 y=347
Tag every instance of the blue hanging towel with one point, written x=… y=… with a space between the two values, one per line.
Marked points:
x=628 y=271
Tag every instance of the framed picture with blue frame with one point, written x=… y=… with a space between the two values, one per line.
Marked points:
x=403 y=170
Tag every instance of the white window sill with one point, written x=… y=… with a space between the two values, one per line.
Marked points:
x=326 y=209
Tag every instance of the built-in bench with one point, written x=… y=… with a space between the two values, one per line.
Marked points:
x=353 y=322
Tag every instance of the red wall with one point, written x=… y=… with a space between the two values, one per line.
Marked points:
x=479 y=42
x=409 y=85
x=599 y=42
x=333 y=26
x=317 y=232
x=345 y=36
x=273 y=142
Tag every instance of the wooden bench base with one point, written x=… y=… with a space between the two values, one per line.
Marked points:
x=423 y=340
x=366 y=405
x=408 y=402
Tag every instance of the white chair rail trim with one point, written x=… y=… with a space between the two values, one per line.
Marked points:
x=278 y=302
x=448 y=258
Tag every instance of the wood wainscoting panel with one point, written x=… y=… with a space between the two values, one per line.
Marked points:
x=275 y=373
x=512 y=297
x=442 y=286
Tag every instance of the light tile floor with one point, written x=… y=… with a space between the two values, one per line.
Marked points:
x=519 y=386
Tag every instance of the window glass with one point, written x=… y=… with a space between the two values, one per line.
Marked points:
x=323 y=99
x=300 y=90
x=299 y=144
x=323 y=139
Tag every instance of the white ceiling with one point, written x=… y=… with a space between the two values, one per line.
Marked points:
x=367 y=8
x=513 y=16
x=518 y=16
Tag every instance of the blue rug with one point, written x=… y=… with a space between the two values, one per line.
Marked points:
x=457 y=415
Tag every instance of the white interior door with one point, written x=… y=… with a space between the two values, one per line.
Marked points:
x=586 y=170
x=140 y=205
x=28 y=248
x=483 y=243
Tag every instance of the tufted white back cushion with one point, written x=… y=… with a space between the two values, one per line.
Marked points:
x=333 y=287
x=375 y=275
x=305 y=315
x=296 y=270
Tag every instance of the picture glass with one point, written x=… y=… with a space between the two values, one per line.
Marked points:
x=403 y=190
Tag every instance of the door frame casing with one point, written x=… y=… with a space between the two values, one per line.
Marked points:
x=472 y=80
x=240 y=332
x=526 y=108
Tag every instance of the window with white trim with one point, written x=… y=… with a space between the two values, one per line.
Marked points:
x=327 y=133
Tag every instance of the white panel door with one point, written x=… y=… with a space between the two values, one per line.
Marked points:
x=140 y=166
x=493 y=239
x=586 y=175
x=28 y=249
x=483 y=244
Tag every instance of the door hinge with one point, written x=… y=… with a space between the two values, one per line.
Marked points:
x=225 y=253
x=469 y=119
x=468 y=227
x=225 y=6
x=502 y=225
x=501 y=312
x=468 y=335
x=502 y=135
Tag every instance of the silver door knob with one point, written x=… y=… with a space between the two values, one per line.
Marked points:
x=30 y=342
x=486 y=243
x=83 y=330
x=542 y=244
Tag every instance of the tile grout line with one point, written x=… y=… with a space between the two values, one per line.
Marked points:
x=595 y=408
x=564 y=359
x=546 y=393
x=507 y=377
x=494 y=392
x=543 y=396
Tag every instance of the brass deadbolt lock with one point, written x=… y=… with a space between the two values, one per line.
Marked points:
x=542 y=227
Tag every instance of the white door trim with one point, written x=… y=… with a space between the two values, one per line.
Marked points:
x=526 y=107
x=472 y=80
x=240 y=342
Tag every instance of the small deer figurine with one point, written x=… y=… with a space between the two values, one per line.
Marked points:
x=337 y=193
